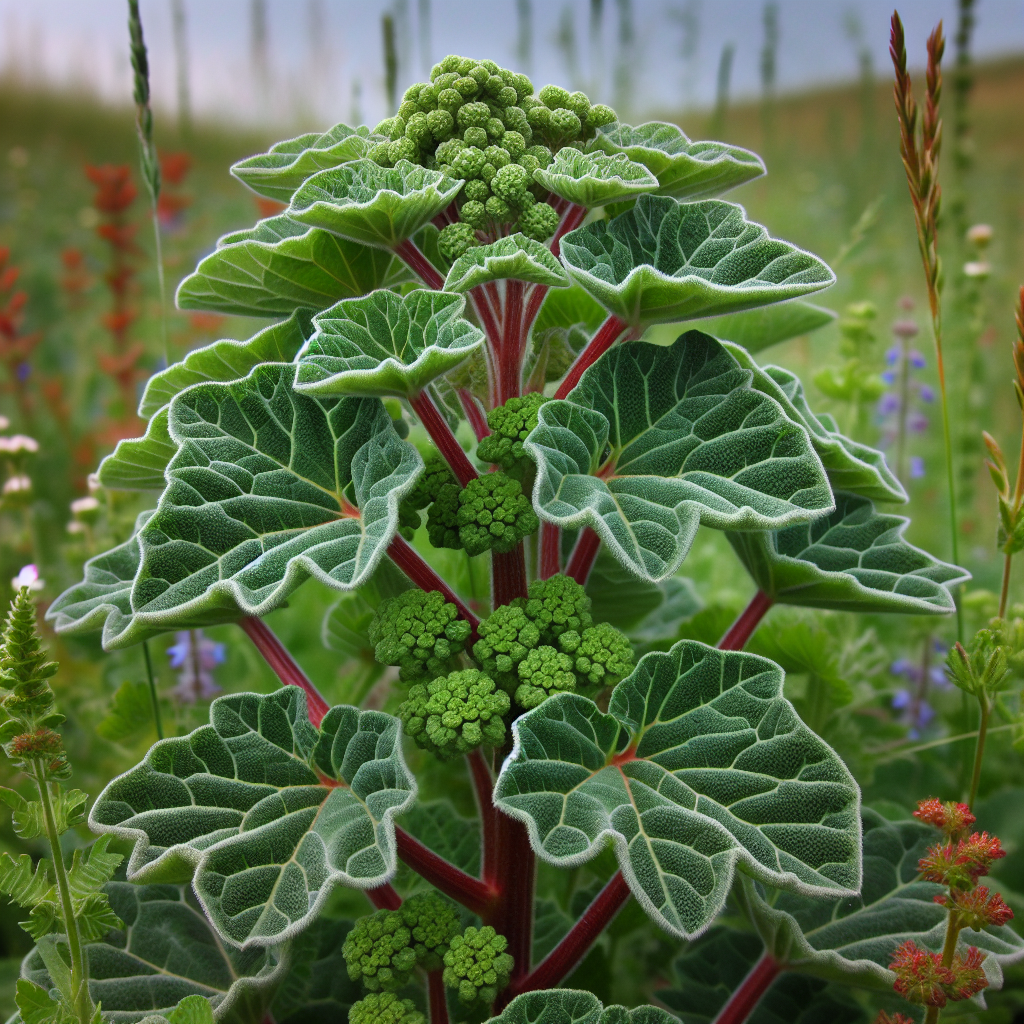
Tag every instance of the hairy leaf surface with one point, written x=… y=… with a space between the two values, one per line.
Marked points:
x=386 y=344
x=684 y=169
x=277 y=173
x=853 y=559
x=374 y=205
x=575 y=1006
x=595 y=179
x=268 y=487
x=700 y=764
x=514 y=256
x=664 y=261
x=655 y=441
x=266 y=812
x=280 y=266
x=139 y=463
x=756 y=329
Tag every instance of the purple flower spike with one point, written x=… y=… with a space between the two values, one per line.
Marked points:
x=889 y=377
x=916 y=467
x=197 y=657
x=892 y=355
x=917 y=360
x=888 y=404
x=917 y=422
x=925 y=393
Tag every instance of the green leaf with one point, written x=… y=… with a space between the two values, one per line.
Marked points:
x=139 y=463
x=35 y=1005
x=550 y=925
x=699 y=765
x=595 y=179
x=664 y=261
x=684 y=169
x=756 y=329
x=277 y=173
x=851 y=466
x=378 y=206
x=280 y=266
x=192 y=1010
x=386 y=344
x=568 y=307
x=267 y=812
x=68 y=806
x=514 y=256
x=129 y=715
x=852 y=940
x=165 y=951
x=228 y=360
x=268 y=488
x=575 y=1006
x=654 y=442
x=853 y=559
x=437 y=824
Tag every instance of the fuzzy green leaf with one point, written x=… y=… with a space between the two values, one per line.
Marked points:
x=654 y=442
x=268 y=488
x=280 y=266
x=854 y=559
x=192 y=1010
x=277 y=173
x=139 y=463
x=228 y=360
x=514 y=256
x=36 y=1005
x=68 y=806
x=852 y=940
x=165 y=951
x=567 y=307
x=684 y=169
x=386 y=344
x=267 y=812
x=575 y=1006
x=851 y=466
x=664 y=261
x=756 y=329
x=595 y=179
x=374 y=205
x=699 y=765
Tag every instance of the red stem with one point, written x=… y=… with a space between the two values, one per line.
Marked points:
x=474 y=414
x=606 y=336
x=550 y=550
x=538 y=293
x=412 y=564
x=508 y=575
x=437 y=997
x=384 y=897
x=483 y=784
x=510 y=359
x=563 y=959
x=572 y=220
x=284 y=665
x=742 y=629
x=473 y=894
x=407 y=251
x=581 y=561
x=742 y=1002
x=487 y=316
x=512 y=916
x=441 y=434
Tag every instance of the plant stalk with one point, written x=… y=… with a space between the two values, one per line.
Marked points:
x=416 y=568
x=510 y=358
x=441 y=434
x=572 y=219
x=483 y=785
x=152 y=691
x=979 y=748
x=408 y=252
x=607 y=334
x=742 y=1002
x=472 y=893
x=384 y=897
x=474 y=414
x=743 y=628
x=550 y=550
x=581 y=561
x=948 y=952
x=284 y=665
x=508 y=575
x=437 y=997
x=515 y=878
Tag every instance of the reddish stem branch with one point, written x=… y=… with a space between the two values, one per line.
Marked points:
x=284 y=665
x=412 y=564
x=474 y=414
x=550 y=550
x=473 y=894
x=415 y=259
x=483 y=784
x=515 y=865
x=581 y=561
x=743 y=628
x=441 y=434
x=384 y=897
x=508 y=575
x=538 y=293
x=488 y=317
x=510 y=359
x=742 y=1002
x=572 y=220
x=606 y=336
x=563 y=959
x=437 y=998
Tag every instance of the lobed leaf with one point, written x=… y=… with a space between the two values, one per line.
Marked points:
x=386 y=344
x=139 y=463
x=664 y=261
x=514 y=256
x=568 y=307
x=277 y=173
x=699 y=765
x=655 y=441
x=374 y=205
x=853 y=559
x=265 y=813
x=684 y=169
x=280 y=266
x=575 y=1006
x=756 y=329
x=268 y=487
x=595 y=179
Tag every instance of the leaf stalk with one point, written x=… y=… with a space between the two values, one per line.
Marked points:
x=742 y=1002
x=747 y=621
x=608 y=333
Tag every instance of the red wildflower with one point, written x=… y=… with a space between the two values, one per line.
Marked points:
x=269 y=207
x=174 y=167
x=206 y=323
x=896 y=1018
x=949 y=816
x=41 y=743
x=920 y=976
x=977 y=909
x=961 y=866
x=969 y=974
x=114 y=189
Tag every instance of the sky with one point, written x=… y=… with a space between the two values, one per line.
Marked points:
x=320 y=61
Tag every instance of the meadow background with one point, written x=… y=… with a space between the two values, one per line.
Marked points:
x=80 y=330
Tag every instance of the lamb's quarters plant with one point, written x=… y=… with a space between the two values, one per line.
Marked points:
x=453 y=386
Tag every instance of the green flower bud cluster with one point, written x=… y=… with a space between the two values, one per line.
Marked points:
x=454 y=714
x=419 y=632
x=510 y=425
x=490 y=513
x=436 y=474
x=384 y=1008
x=477 y=965
x=558 y=604
x=507 y=636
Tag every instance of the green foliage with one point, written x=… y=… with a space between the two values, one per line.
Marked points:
x=443 y=518
x=573 y=1006
x=510 y=425
x=454 y=714
x=595 y=179
x=418 y=632
x=518 y=256
x=24 y=672
x=477 y=965
x=494 y=514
